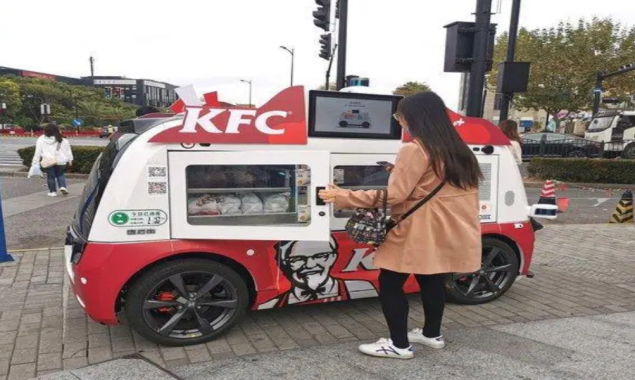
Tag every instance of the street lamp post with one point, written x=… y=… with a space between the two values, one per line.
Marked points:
x=249 y=83
x=292 y=52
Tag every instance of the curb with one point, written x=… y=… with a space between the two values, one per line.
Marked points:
x=539 y=185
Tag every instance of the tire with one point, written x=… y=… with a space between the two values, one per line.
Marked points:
x=576 y=153
x=164 y=306
x=365 y=124
x=458 y=286
x=343 y=124
x=629 y=152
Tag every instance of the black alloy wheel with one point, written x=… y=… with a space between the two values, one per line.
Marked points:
x=500 y=267
x=185 y=302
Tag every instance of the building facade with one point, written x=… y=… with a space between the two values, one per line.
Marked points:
x=141 y=92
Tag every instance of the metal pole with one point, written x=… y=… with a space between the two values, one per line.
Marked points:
x=597 y=92
x=292 y=63
x=250 y=94
x=511 y=52
x=328 y=71
x=479 y=63
x=341 y=59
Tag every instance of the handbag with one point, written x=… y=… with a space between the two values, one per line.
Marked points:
x=48 y=162
x=371 y=225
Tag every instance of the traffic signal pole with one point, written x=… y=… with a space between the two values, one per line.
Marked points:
x=479 y=64
x=511 y=52
x=341 y=53
x=600 y=77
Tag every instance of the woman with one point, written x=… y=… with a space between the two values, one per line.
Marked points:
x=510 y=129
x=443 y=236
x=52 y=146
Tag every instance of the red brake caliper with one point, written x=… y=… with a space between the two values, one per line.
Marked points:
x=165 y=297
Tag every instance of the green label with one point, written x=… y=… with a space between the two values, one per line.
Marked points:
x=138 y=218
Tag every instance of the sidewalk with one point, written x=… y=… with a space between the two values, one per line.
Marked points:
x=581 y=271
x=599 y=347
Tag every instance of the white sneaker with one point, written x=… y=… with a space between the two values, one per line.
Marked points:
x=416 y=336
x=64 y=190
x=385 y=349
x=52 y=194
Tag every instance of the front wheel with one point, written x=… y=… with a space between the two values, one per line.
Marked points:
x=629 y=152
x=499 y=269
x=576 y=153
x=186 y=302
x=343 y=124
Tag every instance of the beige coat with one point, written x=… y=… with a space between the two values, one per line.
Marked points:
x=443 y=236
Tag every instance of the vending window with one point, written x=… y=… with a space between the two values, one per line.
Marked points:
x=358 y=177
x=253 y=195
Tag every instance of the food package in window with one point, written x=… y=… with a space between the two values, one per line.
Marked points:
x=241 y=178
x=229 y=204
x=261 y=176
x=276 y=203
x=251 y=204
x=203 y=205
x=215 y=178
x=302 y=177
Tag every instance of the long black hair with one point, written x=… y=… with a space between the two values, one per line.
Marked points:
x=52 y=130
x=429 y=123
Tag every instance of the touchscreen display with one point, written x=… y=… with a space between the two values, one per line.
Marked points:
x=359 y=116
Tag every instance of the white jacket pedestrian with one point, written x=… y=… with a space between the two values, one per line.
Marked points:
x=47 y=147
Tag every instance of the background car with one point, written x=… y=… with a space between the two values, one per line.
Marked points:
x=546 y=144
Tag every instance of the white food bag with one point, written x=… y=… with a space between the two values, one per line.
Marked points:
x=35 y=171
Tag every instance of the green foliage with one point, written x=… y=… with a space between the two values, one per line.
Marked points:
x=564 y=60
x=583 y=170
x=84 y=157
x=24 y=96
x=411 y=88
x=332 y=87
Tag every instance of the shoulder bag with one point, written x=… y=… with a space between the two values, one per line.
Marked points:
x=48 y=162
x=371 y=225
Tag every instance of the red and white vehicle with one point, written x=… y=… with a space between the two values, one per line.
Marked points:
x=189 y=221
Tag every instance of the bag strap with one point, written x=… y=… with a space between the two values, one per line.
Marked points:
x=421 y=203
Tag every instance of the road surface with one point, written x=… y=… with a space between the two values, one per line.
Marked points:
x=9 y=147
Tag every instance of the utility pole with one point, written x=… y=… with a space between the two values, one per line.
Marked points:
x=92 y=70
x=479 y=63
x=511 y=52
x=328 y=71
x=249 y=83
x=341 y=54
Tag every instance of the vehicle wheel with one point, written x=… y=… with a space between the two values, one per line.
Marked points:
x=186 y=302
x=576 y=154
x=343 y=124
x=365 y=124
x=500 y=267
x=629 y=152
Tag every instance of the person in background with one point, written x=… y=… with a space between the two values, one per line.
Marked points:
x=510 y=129
x=441 y=237
x=53 y=146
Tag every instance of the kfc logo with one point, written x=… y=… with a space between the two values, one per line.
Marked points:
x=307 y=265
x=280 y=121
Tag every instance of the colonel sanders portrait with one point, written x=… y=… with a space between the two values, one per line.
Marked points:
x=307 y=265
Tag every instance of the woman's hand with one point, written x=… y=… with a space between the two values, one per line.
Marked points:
x=329 y=195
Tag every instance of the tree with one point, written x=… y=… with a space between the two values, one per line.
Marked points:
x=332 y=87
x=564 y=60
x=10 y=95
x=411 y=88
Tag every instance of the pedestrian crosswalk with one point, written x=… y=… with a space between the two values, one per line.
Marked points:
x=10 y=158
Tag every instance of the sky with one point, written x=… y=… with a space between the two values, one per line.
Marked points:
x=212 y=44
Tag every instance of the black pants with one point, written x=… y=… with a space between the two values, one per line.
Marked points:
x=395 y=304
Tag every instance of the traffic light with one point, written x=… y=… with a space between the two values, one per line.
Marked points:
x=325 y=46
x=108 y=92
x=322 y=17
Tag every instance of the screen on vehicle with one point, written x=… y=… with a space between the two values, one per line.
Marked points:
x=335 y=114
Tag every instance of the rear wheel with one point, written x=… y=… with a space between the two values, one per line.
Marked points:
x=365 y=124
x=186 y=302
x=629 y=152
x=500 y=267
x=343 y=124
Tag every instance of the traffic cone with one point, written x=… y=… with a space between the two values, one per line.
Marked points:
x=548 y=194
x=624 y=211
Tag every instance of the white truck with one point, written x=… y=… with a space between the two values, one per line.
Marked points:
x=616 y=129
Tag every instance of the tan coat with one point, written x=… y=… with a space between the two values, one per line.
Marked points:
x=443 y=236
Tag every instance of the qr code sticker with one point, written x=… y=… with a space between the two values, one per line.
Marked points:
x=157 y=171
x=157 y=187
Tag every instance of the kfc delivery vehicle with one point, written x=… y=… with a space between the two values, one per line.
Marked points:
x=186 y=222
